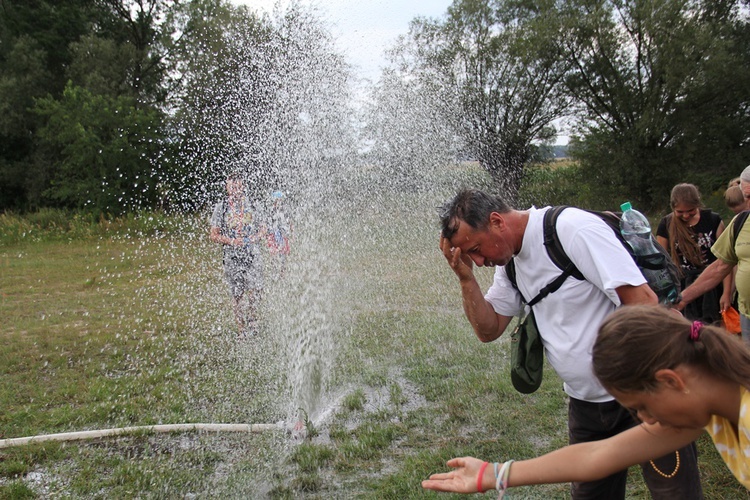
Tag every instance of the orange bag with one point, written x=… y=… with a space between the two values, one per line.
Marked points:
x=731 y=320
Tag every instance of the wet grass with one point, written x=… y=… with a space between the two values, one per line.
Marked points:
x=103 y=331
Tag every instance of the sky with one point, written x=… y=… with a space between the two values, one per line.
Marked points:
x=364 y=29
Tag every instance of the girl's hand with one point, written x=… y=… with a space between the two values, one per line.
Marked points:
x=461 y=480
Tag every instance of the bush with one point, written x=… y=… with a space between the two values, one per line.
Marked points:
x=51 y=224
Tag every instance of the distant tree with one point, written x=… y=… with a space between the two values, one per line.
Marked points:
x=34 y=40
x=662 y=88
x=406 y=131
x=104 y=150
x=257 y=94
x=500 y=81
x=140 y=26
x=222 y=87
x=106 y=55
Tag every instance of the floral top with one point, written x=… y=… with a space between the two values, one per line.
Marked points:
x=734 y=447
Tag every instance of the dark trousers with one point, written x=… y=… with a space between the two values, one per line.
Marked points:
x=595 y=421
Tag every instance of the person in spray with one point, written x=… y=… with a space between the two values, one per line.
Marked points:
x=688 y=234
x=235 y=224
x=279 y=231
x=681 y=377
x=480 y=229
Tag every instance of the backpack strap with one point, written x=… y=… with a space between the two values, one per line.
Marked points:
x=737 y=224
x=555 y=253
x=553 y=246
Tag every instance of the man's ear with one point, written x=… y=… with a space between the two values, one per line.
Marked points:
x=497 y=220
x=670 y=378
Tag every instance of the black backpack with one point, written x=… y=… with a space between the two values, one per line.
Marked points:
x=737 y=224
x=555 y=251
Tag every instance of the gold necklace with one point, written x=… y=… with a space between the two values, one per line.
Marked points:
x=674 y=472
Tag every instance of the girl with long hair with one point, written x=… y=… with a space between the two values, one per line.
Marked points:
x=688 y=234
x=680 y=377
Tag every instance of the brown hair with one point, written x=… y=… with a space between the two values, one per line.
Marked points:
x=634 y=342
x=471 y=206
x=680 y=234
x=733 y=197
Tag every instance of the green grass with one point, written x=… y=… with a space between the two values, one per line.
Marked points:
x=114 y=329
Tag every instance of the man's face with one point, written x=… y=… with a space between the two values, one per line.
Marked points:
x=745 y=187
x=486 y=247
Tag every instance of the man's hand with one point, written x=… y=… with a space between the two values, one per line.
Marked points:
x=461 y=264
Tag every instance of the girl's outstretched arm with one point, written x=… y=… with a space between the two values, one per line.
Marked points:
x=579 y=462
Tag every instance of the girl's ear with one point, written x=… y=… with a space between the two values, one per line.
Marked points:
x=670 y=379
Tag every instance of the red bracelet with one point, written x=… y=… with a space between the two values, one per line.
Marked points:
x=480 y=476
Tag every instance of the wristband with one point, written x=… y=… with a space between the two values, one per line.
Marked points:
x=501 y=483
x=480 y=476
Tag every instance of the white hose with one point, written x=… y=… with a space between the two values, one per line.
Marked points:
x=120 y=431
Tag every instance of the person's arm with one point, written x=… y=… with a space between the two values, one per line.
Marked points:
x=725 y=301
x=488 y=325
x=708 y=279
x=582 y=462
x=633 y=295
x=217 y=237
x=664 y=242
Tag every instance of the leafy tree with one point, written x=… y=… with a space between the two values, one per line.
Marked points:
x=140 y=26
x=105 y=148
x=407 y=130
x=112 y=52
x=662 y=88
x=500 y=83
x=259 y=94
x=34 y=37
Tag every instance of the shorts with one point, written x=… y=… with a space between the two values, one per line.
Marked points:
x=243 y=273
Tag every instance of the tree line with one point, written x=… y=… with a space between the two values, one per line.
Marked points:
x=657 y=90
x=112 y=106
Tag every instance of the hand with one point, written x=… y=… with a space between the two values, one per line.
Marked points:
x=461 y=264
x=461 y=480
x=725 y=302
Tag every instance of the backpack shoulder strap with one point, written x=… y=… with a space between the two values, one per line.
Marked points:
x=553 y=246
x=510 y=270
x=737 y=224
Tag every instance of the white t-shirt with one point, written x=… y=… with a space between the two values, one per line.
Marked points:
x=569 y=318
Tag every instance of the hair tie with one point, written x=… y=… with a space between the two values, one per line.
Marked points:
x=695 y=331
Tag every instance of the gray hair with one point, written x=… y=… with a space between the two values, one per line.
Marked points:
x=745 y=175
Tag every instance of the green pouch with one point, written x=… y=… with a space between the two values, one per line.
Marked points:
x=526 y=355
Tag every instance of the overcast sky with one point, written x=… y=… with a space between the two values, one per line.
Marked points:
x=365 y=28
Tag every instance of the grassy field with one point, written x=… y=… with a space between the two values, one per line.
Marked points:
x=118 y=330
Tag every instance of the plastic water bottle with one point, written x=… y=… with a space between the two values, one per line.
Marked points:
x=636 y=230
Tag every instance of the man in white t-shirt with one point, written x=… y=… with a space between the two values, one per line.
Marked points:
x=481 y=229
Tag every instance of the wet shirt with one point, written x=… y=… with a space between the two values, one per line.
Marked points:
x=569 y=318
x=238 y=221
x=734 y=446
